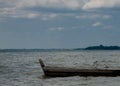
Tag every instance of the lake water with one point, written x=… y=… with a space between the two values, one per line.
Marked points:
x=23 y=68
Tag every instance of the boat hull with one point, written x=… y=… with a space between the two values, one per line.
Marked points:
x=64 y=72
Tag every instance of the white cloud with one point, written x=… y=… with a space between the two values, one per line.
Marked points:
x=26 y=15
x=96 y=24
x=69 y=4
x=49 y=16
x=92 y=16
x=56 y=28
x=13 y=13
x=19 y=13
x=92 y=4
x=17 y=8
x=106 y=16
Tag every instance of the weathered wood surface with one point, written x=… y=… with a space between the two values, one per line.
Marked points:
x=62 y=72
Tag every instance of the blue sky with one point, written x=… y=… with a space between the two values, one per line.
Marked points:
x=59 y=23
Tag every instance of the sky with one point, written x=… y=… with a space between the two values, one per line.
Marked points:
x=59 y=23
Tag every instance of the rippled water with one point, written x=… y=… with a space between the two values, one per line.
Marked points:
x=23 y=69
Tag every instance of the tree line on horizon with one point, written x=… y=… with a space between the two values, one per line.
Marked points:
x=101 y=47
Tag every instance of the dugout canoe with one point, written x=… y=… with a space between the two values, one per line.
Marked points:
x=64 y=72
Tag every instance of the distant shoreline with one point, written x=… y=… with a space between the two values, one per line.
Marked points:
x=100 y=47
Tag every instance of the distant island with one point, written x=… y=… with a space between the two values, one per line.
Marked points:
x=101 y=47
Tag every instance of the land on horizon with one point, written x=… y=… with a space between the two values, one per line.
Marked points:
x=100 y=47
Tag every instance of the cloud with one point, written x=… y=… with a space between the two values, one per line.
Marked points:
x=24 y=8
x=26 y=15
x=69 y=4
x=49 y=16
x=93 y=16
x=93 y=4
x=96 y=24
x=21 y=13
x=17 y=13
x=56 y=29
x=106 y=16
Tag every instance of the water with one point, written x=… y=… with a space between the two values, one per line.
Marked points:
x=23 y=68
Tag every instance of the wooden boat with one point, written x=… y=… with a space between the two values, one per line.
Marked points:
x=63 y=72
